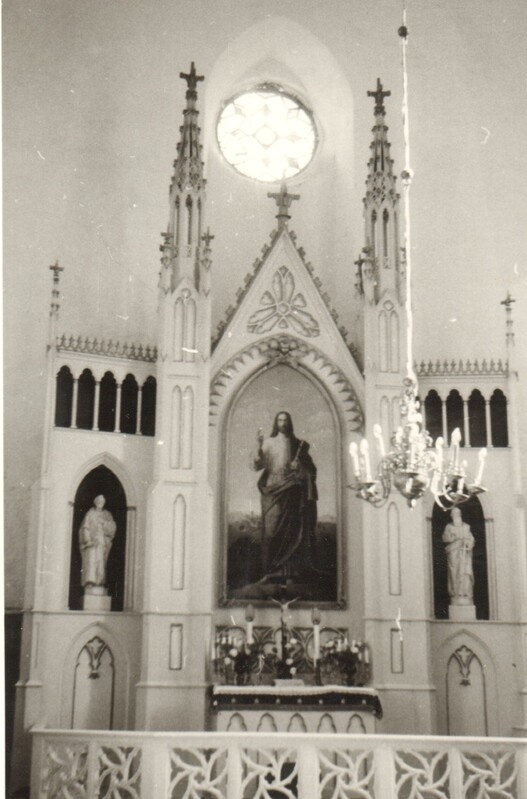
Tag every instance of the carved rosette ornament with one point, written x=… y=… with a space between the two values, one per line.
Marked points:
x=283 y=308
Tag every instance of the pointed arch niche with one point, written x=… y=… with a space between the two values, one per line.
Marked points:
x=100 y=480
x=312 y=569
x=473 y=515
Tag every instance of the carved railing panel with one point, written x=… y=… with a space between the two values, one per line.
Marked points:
x=195 y=773
x=66 y=771
x=119 y=772
x=422 y=775
x=77 y=764
x=268 y=773
x=346 y=774
x=489 y=774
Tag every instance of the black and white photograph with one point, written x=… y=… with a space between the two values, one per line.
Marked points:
x=265 y=372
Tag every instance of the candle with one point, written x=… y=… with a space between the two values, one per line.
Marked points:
x=377 y=432
x=454 y=443
x=366 y=655
x=461 y=481
x=365 y=453
x=249 y=617
x=315 y=617
x=354 y=452
x=482 y=455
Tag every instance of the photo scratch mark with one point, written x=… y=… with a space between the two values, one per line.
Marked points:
x=487 y=134
x=398 y=624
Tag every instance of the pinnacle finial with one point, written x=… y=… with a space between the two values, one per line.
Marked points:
x=509 y=333
x=192 y=79
x=55 y=293
x=379 y=95
x=283 y=201
x=207 y=237
x=507 y=302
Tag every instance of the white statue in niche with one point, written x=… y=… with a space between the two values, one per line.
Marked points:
x=96 y=535
x=459 y=547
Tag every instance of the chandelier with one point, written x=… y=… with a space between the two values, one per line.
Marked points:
x=413 y=463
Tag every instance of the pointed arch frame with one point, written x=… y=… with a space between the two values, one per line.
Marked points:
x=121 y=473
x=227 y=387
x=122 y=669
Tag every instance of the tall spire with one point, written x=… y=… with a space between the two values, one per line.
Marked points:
x=380 y=263
x=188 y=166
x=182 y=245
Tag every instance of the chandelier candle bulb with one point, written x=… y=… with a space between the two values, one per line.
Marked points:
x=354 y=453
x=365 y=453
x=482 y=456
x=377 y=432
x=454 y=445
x=461 y=481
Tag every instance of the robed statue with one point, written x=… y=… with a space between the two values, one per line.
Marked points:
x=459 y=547
x=289 y=496
x=96 y=535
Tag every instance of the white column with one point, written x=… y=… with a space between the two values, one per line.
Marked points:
x=74 y=402
x=444 y=420
x=95 y=422
x=117 y=425
x=139 y=409
x=466 y=427
x=487 y=423
x=129 y=569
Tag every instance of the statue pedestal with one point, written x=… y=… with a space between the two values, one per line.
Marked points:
x=96 y=598
x=462 y=612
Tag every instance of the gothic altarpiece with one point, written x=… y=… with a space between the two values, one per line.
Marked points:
x=191 y=550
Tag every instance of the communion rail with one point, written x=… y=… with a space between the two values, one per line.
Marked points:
x=204 y=765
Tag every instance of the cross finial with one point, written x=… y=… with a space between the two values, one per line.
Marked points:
x=55 y=293
x=283 y=200
x=509 y=331
x=207 y=238
x=507 y=302
x=379 y=95
x=192 y=79
x=56 y=269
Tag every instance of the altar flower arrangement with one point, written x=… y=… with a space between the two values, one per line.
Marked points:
x=234 y=660
x=281 y=660
x=347 y=661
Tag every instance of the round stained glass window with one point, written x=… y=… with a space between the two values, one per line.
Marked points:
x=266 y=134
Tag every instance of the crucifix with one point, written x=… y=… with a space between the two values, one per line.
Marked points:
x=379 y=95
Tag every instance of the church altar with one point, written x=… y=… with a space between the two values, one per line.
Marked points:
x=295 y=708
